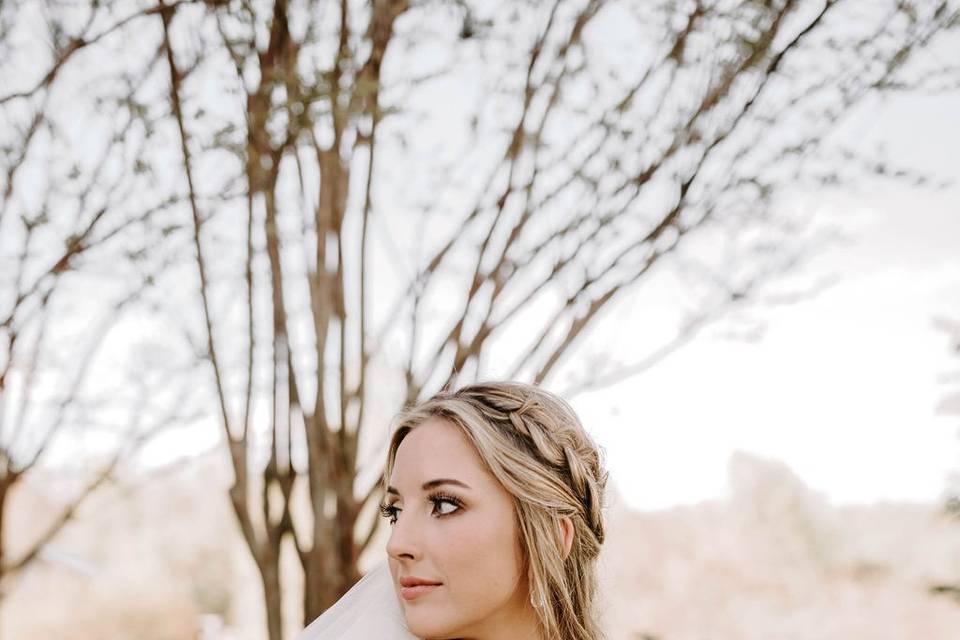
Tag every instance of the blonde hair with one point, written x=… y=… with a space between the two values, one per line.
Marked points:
x=534 y=444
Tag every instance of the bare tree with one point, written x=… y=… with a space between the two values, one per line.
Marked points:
x=72 y=264
x=423 y=193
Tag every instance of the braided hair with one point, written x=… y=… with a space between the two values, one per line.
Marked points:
x=533 y=443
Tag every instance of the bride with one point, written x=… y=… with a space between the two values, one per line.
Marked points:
x=494 y=494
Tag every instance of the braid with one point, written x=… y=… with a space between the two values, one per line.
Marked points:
x=548 y=427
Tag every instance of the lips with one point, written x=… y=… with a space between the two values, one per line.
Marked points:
x=413 y=581
x=413 y=587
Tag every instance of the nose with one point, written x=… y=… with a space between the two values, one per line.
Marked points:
x=404 y=542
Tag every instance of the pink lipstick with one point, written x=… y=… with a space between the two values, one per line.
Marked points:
x=413 y=587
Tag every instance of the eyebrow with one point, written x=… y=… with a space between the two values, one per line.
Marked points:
x=433 y=483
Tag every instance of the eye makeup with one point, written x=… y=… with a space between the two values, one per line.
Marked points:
x=438 y=499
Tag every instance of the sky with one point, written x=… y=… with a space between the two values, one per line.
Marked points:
x=842 y=387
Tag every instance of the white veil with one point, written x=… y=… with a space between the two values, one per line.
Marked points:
x=370 y=610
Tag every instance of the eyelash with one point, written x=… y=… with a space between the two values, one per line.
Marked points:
x=391 y=511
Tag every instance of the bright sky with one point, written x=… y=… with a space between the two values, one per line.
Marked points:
x=843 y=387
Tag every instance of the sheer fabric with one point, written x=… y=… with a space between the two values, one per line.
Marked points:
x=369 y=610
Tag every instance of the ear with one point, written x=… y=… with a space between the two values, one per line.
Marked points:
x=566 y=534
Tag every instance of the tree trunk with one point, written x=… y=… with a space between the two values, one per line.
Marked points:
x=331 y=570
x=272 y=596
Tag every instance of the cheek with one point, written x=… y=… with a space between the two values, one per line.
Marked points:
x=480 y=562
x=481 y=555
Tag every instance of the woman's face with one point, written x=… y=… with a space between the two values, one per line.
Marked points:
x=454 y=525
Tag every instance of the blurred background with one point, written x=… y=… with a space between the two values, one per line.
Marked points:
x=236 y=236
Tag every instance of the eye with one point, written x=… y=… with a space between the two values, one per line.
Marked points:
x=443 y=505
x=441 y=500
x=389 y=511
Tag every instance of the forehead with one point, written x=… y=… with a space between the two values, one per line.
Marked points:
x=438 y=449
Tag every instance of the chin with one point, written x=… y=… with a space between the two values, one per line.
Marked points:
x=424 y=626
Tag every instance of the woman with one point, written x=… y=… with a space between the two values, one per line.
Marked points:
x=494 y=494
